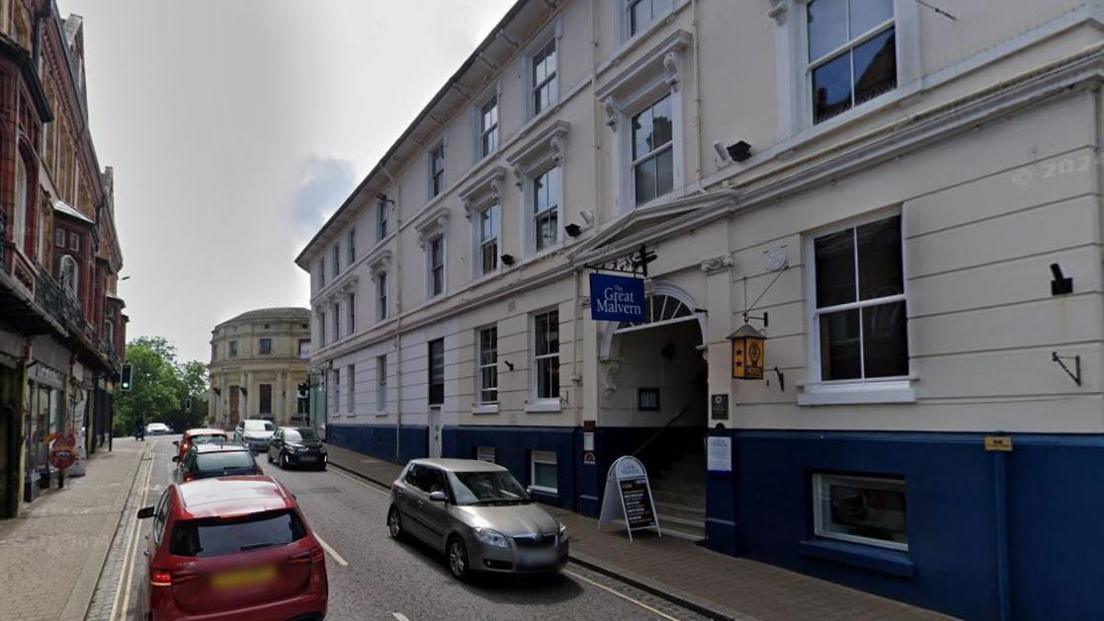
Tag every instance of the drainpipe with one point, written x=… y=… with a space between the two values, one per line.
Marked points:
x=1000 y=498
x=398 y=314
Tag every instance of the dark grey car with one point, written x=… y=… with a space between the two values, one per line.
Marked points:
x=478 y=515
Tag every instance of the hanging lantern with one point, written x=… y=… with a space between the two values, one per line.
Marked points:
x=748 y=353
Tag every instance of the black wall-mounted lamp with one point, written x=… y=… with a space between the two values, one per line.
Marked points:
x=383 y=198
x=572 y=230
x=739 y=151
x=508 y=364
x=507 y=259
x=1061 y=285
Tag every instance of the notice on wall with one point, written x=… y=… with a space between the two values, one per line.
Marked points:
x=719 y=454
x=629 y=496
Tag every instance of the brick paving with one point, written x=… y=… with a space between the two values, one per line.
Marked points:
x=725 y=586
x=51 y=554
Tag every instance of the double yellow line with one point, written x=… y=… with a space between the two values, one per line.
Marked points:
x=127 y=573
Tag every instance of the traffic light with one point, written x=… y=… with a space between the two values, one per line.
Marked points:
x=124 y=381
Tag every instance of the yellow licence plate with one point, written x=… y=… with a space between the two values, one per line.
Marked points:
x=243 y=577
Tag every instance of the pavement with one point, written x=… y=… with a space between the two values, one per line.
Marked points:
x=709 y=584
x=52 y=553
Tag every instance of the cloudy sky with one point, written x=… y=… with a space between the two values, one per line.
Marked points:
x=236 y=128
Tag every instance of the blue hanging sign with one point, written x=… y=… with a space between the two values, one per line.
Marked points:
x=616 y=298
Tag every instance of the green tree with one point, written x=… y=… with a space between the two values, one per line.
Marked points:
x=160 y=386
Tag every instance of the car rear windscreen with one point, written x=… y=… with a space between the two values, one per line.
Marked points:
x=229 y=460
x=208 y=439
x=215 y=536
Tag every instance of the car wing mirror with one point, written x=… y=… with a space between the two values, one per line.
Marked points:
x=438 y=496
x=176 y=458
x=145 y=512
x=176 y=442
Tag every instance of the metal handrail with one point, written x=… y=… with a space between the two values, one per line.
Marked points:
x=660 y=431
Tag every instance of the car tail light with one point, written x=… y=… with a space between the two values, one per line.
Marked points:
x=189 y=477
x=315 y=555
x=159 y=578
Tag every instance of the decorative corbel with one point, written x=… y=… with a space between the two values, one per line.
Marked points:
x=609 y=104
x=557 y=144
x=716 y=264
x=778 y=11
x=519 y=177
x=672 y=66
x=609 y=385
x=433 y=229
x=469 y=208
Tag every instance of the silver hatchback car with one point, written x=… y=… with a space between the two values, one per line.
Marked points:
x=478 y=514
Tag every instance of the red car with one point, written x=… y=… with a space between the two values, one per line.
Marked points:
x=198 y=436
x=232 y=548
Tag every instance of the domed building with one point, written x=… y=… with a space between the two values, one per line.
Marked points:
x=258 y=361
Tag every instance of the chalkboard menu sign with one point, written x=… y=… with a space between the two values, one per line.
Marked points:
x=629 y=496
x=638 y=503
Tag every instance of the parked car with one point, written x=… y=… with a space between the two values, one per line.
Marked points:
x=232 y=548
x=157 y=429
x=478 y=515
x=297 y=446
x=256 y=433
x=205 y=461
x=198 y=436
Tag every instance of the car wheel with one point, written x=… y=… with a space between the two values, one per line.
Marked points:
x=458 y=558
x=268 y=456
x=394 y=523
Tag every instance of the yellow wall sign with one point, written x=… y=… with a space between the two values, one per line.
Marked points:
x=748 y=353
x=998 y=443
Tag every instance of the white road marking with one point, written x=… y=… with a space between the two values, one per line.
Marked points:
x=658 y=613
x=331 y=551
x=400 y=616
x=372 y=486
x=131 y=549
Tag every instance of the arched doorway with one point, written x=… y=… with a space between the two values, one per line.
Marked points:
x=656 y=388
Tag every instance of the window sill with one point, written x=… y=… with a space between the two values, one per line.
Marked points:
x=549 y=493
x=899 y=390
x=381 y=413
x=487 y=408
x=881 y=560
x=548 y=406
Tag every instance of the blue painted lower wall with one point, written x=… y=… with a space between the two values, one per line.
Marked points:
x=1053 y=509
x=380 y=441
x=1054 y=514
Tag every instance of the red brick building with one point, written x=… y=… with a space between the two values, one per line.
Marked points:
x=62 y=326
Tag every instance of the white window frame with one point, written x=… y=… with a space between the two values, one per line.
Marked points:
x=626 y=17
x=336 y=258
x=260 y=349
x=381 y=295
x=381 y=383
x=494 y=129
x=551 y=78
x=654 y=153
x=68 y=261
x=336 y=391
x=536 y=402
x=337 y=321
x=480 y=366
x=552 y=33
x=350 y=370
x=382 y=223
x=821 y=481
x=322 y=273
x=60 y=236
x=795 y=81
x=430 y=293
x=350 y=301
x=19 y=226
x=815 y=391
x=431 y=191
x=496 y=210
x=233 y=349
x=351 y=241
x=322 y=328
x=532 y=216
x=540 y=154
x=658 y=73
x=543 y=457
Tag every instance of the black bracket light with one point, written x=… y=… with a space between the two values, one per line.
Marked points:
x=573 y=230
x=1075 y=375
x=1062 y=284
x=739 y=151
x=507 y=259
